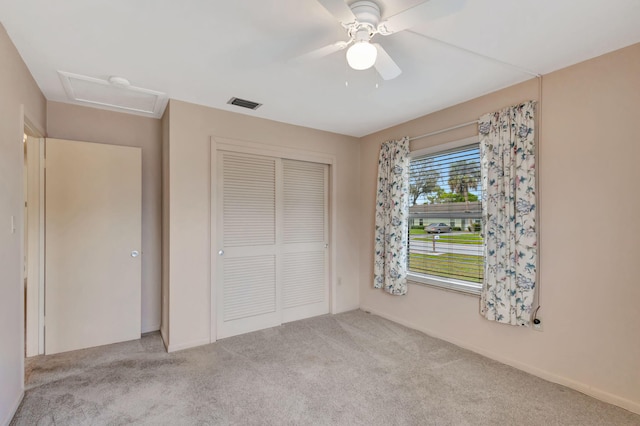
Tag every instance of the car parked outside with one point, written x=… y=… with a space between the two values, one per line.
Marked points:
x=437 y=228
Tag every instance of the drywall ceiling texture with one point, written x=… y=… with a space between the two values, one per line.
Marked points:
x=190 y=129
x=206 y=52
x=588 y=176
x=19 y=91
x=80 y=123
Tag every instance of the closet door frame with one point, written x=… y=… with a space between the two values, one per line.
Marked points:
x=256 y=148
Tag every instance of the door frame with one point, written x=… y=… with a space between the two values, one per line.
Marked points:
x=34 y=304
x=257 y=148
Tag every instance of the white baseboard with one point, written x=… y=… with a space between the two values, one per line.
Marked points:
x=543 y=374
x=13 y=409
x=192 y=344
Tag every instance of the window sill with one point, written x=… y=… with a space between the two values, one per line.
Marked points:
x=445 y=283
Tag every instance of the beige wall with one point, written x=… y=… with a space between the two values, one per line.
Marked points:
x=73 y=122
x=18 y=93
x=190 y=129
x=588 y=173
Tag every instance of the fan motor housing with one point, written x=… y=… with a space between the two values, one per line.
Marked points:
x=366 y=12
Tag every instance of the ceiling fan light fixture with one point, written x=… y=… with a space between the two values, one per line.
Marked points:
x=362 y=55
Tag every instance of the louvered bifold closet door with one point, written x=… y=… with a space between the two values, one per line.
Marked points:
x=247 y=292
x=305 y=289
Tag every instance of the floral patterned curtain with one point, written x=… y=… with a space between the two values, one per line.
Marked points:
x=507 y=156
x=392 y=217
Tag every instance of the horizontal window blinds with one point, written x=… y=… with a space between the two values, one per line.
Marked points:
x=445 y=214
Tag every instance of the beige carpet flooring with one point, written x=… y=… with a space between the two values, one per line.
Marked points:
x=346 y=369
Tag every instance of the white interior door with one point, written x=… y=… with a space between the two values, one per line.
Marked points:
x=272 y=233
x=93 y=238
x=305 y=288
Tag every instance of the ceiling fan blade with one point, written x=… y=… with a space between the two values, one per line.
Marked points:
x=385 y=66
x=419 y=14
x=320 y=53
x=339 y=9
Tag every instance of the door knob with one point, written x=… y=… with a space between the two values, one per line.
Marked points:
x=221 y=252
x=135 y=253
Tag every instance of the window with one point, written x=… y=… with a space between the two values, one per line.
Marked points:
x=445 y=215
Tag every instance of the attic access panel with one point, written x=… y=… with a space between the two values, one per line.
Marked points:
x=119 y=97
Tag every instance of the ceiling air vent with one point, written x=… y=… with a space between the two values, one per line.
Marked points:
x=244 y=103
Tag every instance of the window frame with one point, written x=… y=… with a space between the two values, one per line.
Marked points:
x=452 y=284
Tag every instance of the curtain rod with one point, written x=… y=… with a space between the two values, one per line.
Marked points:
x=448 y=129
x=497 y=61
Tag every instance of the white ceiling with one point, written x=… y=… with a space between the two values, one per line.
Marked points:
x=206 y=51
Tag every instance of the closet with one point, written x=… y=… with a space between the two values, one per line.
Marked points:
x=272 y=241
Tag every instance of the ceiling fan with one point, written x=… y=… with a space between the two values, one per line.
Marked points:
x=363 y=20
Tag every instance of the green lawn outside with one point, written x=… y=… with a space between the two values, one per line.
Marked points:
x=459 y=266
x=474 y=238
